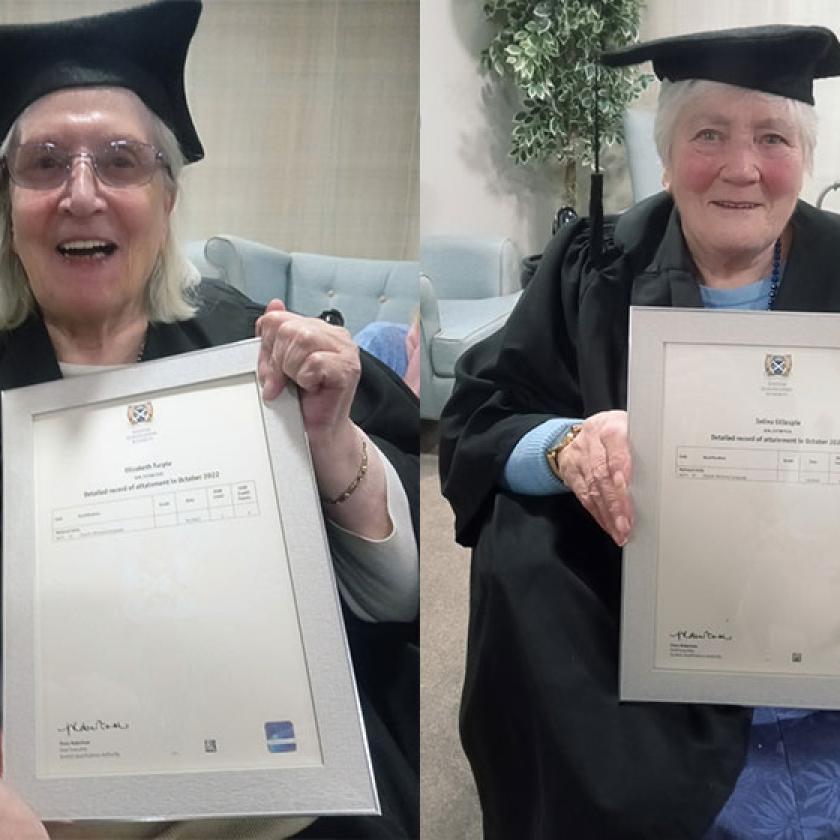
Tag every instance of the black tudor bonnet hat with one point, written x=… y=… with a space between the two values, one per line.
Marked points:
x=778 y=58
x=142 y=48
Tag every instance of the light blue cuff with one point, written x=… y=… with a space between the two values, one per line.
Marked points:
x=527 y=470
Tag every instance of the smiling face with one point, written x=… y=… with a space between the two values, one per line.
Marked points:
x=89 y=249
x=735 y=170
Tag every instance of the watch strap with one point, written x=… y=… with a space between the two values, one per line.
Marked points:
x=553 y=453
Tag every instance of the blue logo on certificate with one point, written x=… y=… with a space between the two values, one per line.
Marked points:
x=280 y=736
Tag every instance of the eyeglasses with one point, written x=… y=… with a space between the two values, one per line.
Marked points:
x=118 y=163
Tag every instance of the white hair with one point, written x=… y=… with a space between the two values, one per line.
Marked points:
x=171 y=285
x=675 y=96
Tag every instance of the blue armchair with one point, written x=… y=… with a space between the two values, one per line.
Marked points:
x=363 y=290
x=468 y=287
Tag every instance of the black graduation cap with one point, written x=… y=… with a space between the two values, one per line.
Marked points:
x=777 y=58
x=142 y=48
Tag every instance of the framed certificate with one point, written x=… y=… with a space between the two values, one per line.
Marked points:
x=173 y=640
x=732 y=575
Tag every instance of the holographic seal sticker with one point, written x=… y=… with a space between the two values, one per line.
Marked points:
x=280 y=736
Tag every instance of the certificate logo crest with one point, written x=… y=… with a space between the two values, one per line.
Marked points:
x=778 y=365
x=140 y=413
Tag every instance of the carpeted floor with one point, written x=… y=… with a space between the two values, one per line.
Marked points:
x=449 y=805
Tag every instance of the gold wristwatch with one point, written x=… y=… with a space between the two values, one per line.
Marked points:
x=553 y=454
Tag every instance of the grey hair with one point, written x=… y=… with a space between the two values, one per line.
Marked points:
x=171 y=286
x=675 y=96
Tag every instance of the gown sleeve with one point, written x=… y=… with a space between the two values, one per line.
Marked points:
x=532 y=370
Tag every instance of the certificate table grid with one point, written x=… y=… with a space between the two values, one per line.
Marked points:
x=779 y=465
x=160 y=510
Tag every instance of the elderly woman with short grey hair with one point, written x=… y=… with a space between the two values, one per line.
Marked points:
x=535 y=461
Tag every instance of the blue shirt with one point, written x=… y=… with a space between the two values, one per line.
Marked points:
x=386 y=341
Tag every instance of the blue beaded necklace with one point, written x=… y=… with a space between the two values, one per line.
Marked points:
x=776 y=276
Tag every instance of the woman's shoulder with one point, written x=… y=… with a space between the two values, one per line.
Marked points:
x=808 y=217
x=816 y=238
x=224 y=313
x=642 y=226
x=211 y=296
x=577 y=257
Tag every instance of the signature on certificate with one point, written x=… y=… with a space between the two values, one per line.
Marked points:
x=700 y=635
x=78 y=727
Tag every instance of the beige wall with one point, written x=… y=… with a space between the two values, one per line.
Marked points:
x=467 y=183
x=309 y=115
x=468 y=186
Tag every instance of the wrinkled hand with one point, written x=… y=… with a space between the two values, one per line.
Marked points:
x=596 y=467
x=323 y=362
x=320 y=359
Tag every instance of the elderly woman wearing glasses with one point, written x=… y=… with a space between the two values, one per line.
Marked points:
x=97 y=130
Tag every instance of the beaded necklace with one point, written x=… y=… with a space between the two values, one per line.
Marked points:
x=776 y=276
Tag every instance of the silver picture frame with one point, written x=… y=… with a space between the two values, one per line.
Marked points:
x=730 y=575
x=339 y=779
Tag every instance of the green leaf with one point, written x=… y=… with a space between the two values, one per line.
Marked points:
x=548 y=48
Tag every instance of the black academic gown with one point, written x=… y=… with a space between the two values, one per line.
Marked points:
x=385 y=655
x=554 y=753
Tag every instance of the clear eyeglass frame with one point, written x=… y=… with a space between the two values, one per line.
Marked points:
x=116 y=163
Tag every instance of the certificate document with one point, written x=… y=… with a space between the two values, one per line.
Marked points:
x=732 y=576
x=161 y=613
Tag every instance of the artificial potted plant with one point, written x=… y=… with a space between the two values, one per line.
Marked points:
x=550 y=49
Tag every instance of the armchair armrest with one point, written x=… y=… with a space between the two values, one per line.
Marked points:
x=429 y=309
x=469 y=267
x=429 y=327
x=257 y=270
x=194 y=252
